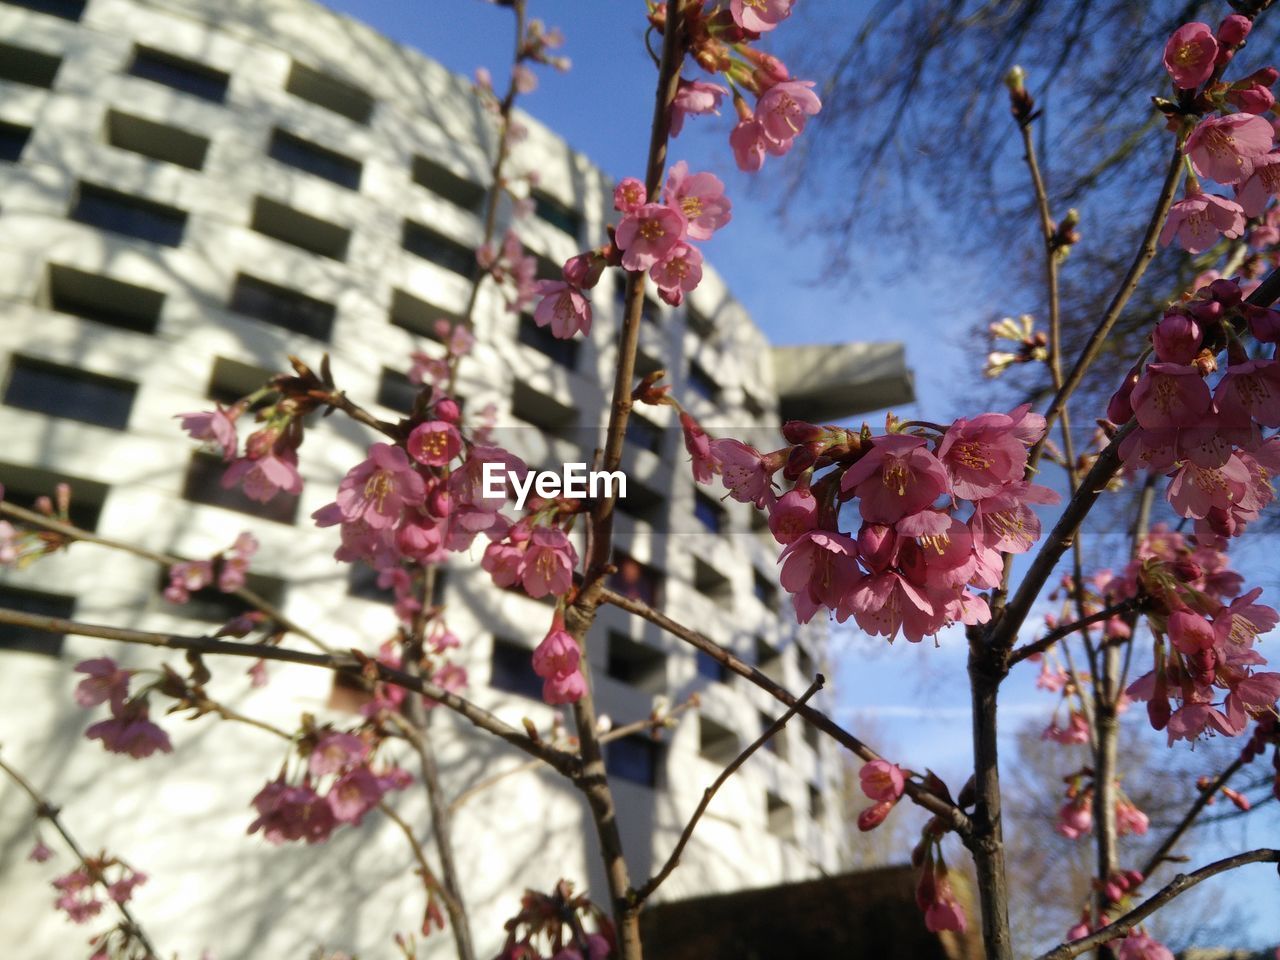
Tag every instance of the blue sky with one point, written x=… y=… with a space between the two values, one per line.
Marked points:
x=914 y=693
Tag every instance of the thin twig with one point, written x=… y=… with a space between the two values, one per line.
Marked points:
x=1179 y=885
x=773 y=730
x=47 y=811
x=1067 y=629
x=347 y=664
x=952 y=815
x=1161 y=853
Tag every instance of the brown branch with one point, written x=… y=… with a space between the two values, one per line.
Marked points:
x=950 y=814
x=774 y=729
x=74 y=533
x=1067 y=629
x=346 y=664
x=1179 y=885
x=1161 y=853
x=45 y=810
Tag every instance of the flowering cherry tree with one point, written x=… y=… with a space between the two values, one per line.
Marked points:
x=908 y=530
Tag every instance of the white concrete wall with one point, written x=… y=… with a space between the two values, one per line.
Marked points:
x=182 y=818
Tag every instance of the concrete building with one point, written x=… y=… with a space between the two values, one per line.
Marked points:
x=190 y=190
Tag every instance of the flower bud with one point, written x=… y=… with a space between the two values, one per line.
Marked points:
x=447 y=410
x=798 y=431
x=1177 y=338
x=1226 y=292
x=1120 y=409
x=1264 y=323
x=584 y=270
x=1234 y=29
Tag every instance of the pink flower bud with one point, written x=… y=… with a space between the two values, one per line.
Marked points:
x=1264 y=323
x=873 y=816
x=798 y=431
x=1234 y=29
x=447 y=410
x=1177 y=338
x=629 y=195
x=584 y=270
x=1226 y=292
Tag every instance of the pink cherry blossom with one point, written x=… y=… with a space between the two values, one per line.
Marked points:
x=1075 y=818
x=1189 y=55
x=1195 y=490
x=130 y=732
x=1139 y=946
x=881 y=780
x=556 y=660
x=819 y=568
x=693 y=98
x=750 y=144
x=262 y=478
x=649 y=234
x=377 y=490
x=1177 y=339
x=679 y=273
x=1130 y=820
x=629 y=195
x=564 y=688
x=1260 y=186
x=982 y=455
x=705 y=463
x=1224 y=148
x=216 y=426
x=745 y=472
x=104 y=682
x=1197 y=221
x=884 y=604
x=563 y=308
x=548 y=563
x=434 y=443
x=235 y=562
x=354 y=794
x=793 y=514
x=700 y=197
x=1252 y=391
x=784 y=107
x=1006 y=522
x=187 y=577
x=759 y=16
x=288 y=812
x=896 y=478
x=335 y=752
x=1169 y=395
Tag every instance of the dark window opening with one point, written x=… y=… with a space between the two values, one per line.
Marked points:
x=396 y=391
x=642 y=503
x=711 y=583
x=68 y=392
x=636 y=580
x=701 y=383
x=644 y=433
x=294 y=151
x=817 y=803
x=777 y=744
x=635 y=758
x=447 y=185
x=780 y=819
x=426 y=243
x=560 y=215
x=511 y=670
x=27 y=66
x=752 y=405
x=299 y=229
x=188 y=76
x=636 y=664
x=712 y=669
x=282 y=307
x=231 y=381
x=563 y=352
x=699 y=322
x=66 y=9
x=129 y=215
x=23 y=486
x=13 y=140
x=764 y=589
x=709 y=512
x=103 y=299
x=327 y=91
x=203 y=484
x=28 y=639
x=418 y=316
x=156 y=140
x=544 y=412
x=716 y=742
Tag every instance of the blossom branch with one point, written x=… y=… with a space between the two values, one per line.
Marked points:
x=1067 y=629
x=1179 y=885
x=45 y=810
x=773 y=730
x=348 y=664
x=1161 y=853
x=950 y=814
x=74 y=533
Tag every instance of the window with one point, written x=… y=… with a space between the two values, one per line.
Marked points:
x=94 y=297
x=28 y=639
x=156 y=140
x=426 y=243
x=13 y=140
x=129 y=215
x=511 y=670
x=644 y=433
x=646 y=365
x=203 y=484
x=635 y=758
x=636 y=580
x=711 y=583
x=66 y=9
x=712 y=669
x=777 y=744
x=817 y=803
x=282 y=307
x=544 y=412
x=396 y=391
x=764 y=590
x=559 y=215
x=299 y=229
x=418 y=316
x=563 y=352
x=642 y=503
x=716 y=742
x=188 y=76
x=768 y=659
x=68 y=392
x=699 y=322
x=293 y=151
x=780 y=820
x=214 y=606
x=23 y=486
x=752 y=405
x=709 y=512
x=447 y=185
x=812 y=736
x=547 y=269
x=804 y=663
x=650 y=311
x=700 y=382
x=327 y=91
x=636 y=664
x=24 y=65
x=231 y=381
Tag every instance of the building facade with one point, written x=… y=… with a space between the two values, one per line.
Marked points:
x=192 y=190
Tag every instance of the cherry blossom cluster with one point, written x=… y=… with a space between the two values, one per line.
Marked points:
x=1075 y=817
x=883 y=783
x=79 y=896
x=338 y=786
x=535 y=46
x=720 y=38
x=269 y=463
x=513 y=270
x=1232 y=144
x=20 y=547
x=929 y=511
x=935 y=895
x=554 y=927
x=226 y=569
x=1028 y=345
x=129 y=730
